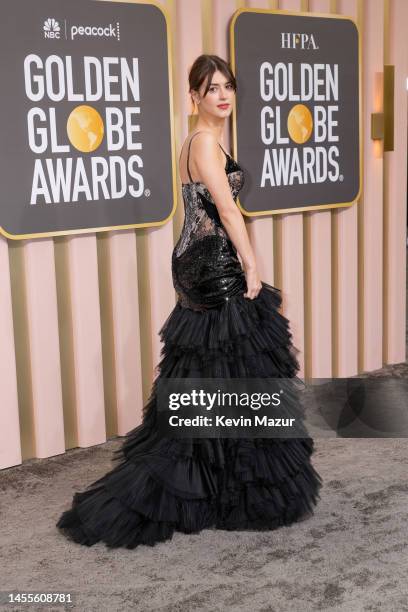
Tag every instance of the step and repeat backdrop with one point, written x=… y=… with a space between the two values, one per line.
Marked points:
x=86 y=115
x=94 y=108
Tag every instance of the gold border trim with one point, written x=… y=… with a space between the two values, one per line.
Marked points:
x=93 y=230
x=388 y=106
x=235 y=16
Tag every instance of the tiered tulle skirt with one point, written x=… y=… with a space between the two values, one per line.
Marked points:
x=161 y=485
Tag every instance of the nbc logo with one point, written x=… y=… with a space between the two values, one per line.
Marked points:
x=51 y=28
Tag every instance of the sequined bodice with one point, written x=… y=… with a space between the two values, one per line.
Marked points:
x=205 y=266
x=201 y=217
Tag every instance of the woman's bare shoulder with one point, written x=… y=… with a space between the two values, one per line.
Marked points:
x=201 y=136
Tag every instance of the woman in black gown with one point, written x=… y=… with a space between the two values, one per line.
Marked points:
x=226 y=323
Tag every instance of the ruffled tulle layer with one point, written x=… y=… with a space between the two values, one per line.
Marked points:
x=161 y=485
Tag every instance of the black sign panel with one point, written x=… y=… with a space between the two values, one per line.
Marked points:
x=86 y=117
x=297 y=126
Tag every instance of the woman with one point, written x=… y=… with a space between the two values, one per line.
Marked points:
x=226 y=324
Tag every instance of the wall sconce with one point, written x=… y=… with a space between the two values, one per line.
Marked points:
x=382 y=124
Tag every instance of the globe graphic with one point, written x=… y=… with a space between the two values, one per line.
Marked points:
x=85 y=128
x=300 y=123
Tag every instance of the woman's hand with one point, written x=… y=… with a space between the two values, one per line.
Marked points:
x=253 y=282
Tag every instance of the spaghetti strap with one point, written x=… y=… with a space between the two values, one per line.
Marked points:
x=188 y=154
x=224 y=151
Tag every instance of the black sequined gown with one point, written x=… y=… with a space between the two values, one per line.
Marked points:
x=161 y=485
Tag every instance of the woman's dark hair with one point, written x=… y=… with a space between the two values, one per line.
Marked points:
x=204 y=68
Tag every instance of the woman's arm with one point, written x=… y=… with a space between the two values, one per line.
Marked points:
x=211 y=172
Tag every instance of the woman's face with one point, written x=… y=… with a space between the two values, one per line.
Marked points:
x=219 y=98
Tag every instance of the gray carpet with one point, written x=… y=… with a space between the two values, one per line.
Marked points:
x=351 y=556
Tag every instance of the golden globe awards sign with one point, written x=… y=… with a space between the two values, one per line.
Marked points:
x=86 y=117
x=297 y=125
